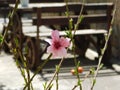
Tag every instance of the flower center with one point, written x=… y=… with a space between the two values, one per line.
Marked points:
x=57 y=45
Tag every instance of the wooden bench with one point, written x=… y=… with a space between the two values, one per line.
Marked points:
x=103 y=15
x=84 y=32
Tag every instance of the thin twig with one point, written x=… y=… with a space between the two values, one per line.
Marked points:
x=9 y=23
x=37 y=71
x=54 y=74
x=105 y=46
x=75 y=28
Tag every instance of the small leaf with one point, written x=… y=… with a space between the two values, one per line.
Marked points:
x=79 y=82
x=101 y=66
x=102 y=51
x=78 y=64
x=92 y=71
x=79 y=21
x=57 y=68
x=67 y=14
x=45 y=85
x=68 y=34
x=17 y=63
x=14 y=50
x=49 y=88
x=1 y=38
x=94 y=82
x=80 y=18
x=106 y=37
x=16 y=41
x=71 y=24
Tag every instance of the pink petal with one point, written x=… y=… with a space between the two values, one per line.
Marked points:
x=48 y=40
x=65 y=42
x=49 y=49
x=55 y=35
x=62 y=52
x=58 y=50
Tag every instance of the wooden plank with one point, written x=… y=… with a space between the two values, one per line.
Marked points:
x=63 y=20
x=98 y=6
x=78 y=32
x=61 y=7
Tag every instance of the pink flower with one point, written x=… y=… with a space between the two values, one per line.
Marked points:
x=58 y=45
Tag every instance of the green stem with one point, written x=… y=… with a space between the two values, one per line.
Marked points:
x=75 y=61
x=105 y=46
x=9 y=23
x=57 y=77
x=54 y=74
x=76 y=66
x=37 y=71
x=28 y=75
x=22 y=72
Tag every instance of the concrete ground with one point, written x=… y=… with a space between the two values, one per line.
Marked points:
x=11 y=79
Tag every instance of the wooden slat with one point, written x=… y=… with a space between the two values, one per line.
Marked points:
x=98 y=6
x=61 y=7
x=76 y=6
x=78 y=32
x=63 y=20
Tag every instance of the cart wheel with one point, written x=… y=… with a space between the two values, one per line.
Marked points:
x=29 y=52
